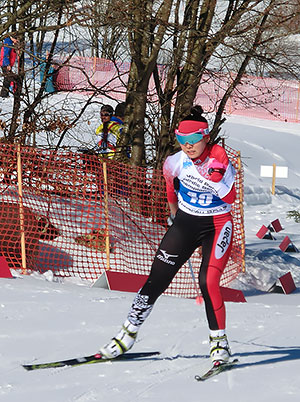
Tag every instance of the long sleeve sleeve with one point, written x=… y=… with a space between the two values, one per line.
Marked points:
x=169 y=178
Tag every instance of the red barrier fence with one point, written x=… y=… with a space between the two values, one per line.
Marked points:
x=77 y=216
x=265 y=98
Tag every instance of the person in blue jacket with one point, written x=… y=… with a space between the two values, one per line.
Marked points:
x=50 y=85
x=8 y=57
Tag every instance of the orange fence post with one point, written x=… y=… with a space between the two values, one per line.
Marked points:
x=21 y=210
x=106 y=217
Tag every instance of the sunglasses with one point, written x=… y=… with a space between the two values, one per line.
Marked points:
x=191 y=138
x=105 y=114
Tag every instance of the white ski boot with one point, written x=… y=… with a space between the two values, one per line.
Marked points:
x=219 y=349
x=121 y=343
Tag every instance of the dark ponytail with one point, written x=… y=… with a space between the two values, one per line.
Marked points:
x=197 y=111
x=196 y=114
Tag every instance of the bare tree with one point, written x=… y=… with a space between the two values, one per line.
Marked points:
x=204 y=37
x=29 y=19
x=177 y=42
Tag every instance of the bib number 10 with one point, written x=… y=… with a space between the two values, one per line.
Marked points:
x=200 y=198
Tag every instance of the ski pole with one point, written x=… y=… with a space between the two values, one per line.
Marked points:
x=199 y=298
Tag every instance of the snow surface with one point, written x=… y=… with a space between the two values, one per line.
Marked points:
x=43 y=319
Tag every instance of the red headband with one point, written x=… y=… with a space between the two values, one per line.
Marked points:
x=191 y=126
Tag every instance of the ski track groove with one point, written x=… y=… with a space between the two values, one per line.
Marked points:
x=164 y=374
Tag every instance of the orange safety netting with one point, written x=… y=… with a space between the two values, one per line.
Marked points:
x=260 y=97
x=78 y=216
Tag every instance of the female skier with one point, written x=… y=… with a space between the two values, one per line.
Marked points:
x=200 y=191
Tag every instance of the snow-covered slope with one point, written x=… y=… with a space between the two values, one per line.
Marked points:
x=43 y=320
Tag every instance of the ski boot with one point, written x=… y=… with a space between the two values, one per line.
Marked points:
x=219 y=349
x=121 y=343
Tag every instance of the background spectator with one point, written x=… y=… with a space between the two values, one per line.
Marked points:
x=8 y=57
x=109 y=132
x=50 y=84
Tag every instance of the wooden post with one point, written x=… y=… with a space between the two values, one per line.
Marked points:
x=106 y=217
x=273 y=178
x=21 y=210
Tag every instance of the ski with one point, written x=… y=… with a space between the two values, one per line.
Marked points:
x=216 y=369
x=96 y=358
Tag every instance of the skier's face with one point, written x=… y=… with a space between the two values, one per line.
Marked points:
x=105 y=116
x=195 y=150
